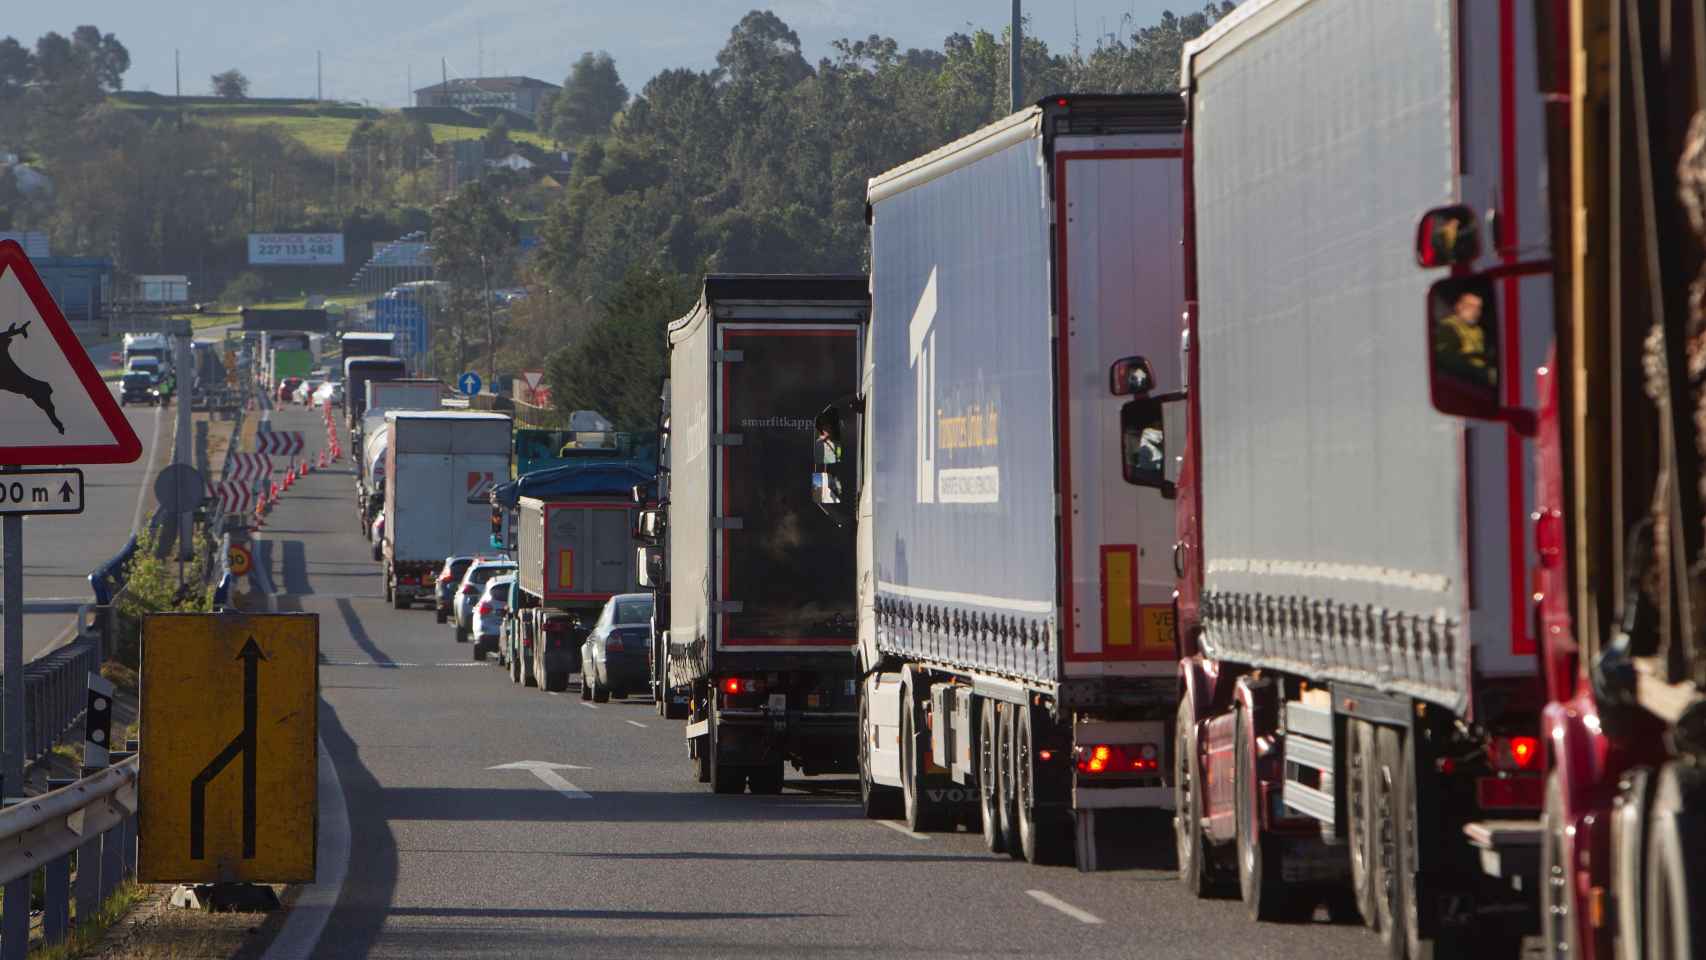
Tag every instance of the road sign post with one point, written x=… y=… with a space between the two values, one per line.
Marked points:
x=229 y=703
x=54 y=409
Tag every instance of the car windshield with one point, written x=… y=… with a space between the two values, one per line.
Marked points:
x=479 y=575
x=633 y=611
x=137 y=380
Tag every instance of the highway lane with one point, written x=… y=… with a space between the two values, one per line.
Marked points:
x=451 y=858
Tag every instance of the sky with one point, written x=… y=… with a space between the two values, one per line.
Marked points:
x=373 y=49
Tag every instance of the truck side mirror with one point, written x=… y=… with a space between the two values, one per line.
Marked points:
x=1130 y=376
x=1143 y=445
x=1447 y=236
x=650 y=567
x=830 y=485
x=1464 y=363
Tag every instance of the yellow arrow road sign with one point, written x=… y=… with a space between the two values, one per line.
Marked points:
x=229 y=728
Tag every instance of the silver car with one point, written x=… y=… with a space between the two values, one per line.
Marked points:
x=468 y=593
x=489 y=614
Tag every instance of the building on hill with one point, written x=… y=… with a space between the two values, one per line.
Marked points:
x=519 y=95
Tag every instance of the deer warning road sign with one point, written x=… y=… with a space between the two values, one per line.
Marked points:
x=229 y=702
x=54 y=407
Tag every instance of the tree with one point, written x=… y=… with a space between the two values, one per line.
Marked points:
x=592 y=95
x=763 y=47
x=231 y=85
x=16 y=68
x=473 y=239
x=615 y=364
x=497 y=140
x=101 y=56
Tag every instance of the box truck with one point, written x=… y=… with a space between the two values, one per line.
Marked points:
x=434 y=462
x=760 y=633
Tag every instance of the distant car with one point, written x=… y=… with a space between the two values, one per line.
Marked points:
x=138 y=388
x=489 y=614
x=468 y=593
x=286 y=388
x=615 y=656
x=556 y=648
x=330 y=391
x=445 y=587
x=377 y=535
x=305 y=390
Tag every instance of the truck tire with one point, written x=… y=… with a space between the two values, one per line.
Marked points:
x=879 y=802
x=1359 y=800
x=528 y=677
x=556 y=681
x=1261 y=879
x=920 y=813
x=1676 y=875
x=399 y=599
x=988 y=793
x=1044 y=842
x=725 y=777
x=1558 y=916
x=1004 y=779
x=1385 y=783
x=1197 y=868
x=766 y=780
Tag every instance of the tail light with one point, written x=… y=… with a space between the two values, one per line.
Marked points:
x=1119 y=758
x=613 y=644
x=469 y=590
x=740 y=685
x=1514 y=754
x=1507 y=792
x=485 y=609
x=444 y=577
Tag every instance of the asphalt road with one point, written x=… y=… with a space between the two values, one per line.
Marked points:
x=448 y=857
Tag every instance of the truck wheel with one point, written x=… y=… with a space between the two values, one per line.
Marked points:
x=528 y=677
x=1004 y=779
x=1359 y=800
x=556 y=681
x=399 y=600
x=878 y=801
x=1676 y=876
x=1044 y=842
x=1384 y=784
x=1196 y=864
x=1558 y=916
x=987 y=788
x=765 y=780
x=725 y=778
x=1261 y=880
x=920 y=813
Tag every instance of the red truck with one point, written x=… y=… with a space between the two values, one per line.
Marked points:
x=1360 y=687
x=1618 y=577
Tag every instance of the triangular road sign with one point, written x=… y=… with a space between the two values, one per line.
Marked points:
x=54 y=407
x=533 y=378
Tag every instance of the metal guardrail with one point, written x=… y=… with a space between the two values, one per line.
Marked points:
x=56 y=692
x=93 y=819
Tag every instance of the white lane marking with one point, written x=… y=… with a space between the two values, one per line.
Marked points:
x=635 y=723
x=1050 y=900
x=900 y=828
x=144 y=487
x=547 y=773
x=299 y=938
x=589 y=706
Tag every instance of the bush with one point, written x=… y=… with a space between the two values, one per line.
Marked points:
x=152 y=587
x=245 y=287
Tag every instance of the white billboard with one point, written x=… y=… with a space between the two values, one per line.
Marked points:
x=296 y=249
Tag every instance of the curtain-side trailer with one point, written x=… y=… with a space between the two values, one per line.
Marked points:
x=1016 y=648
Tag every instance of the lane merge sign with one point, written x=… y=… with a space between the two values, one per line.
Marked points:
x=54 y=407
x=26 y=492
x=230 y=703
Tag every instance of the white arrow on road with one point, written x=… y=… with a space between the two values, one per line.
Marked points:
x=547 y=772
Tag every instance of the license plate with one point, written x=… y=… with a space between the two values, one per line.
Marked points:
x=779 y=701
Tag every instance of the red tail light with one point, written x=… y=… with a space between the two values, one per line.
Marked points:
x=1119 y=758
x=1514 y=753
x=485 y=609
x=444 y=577
x=739 y=685
x=613 y=644
x=469 y=590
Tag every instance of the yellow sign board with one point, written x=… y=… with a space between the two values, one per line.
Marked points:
x=229 y=729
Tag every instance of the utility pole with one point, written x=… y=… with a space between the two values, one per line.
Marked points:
x=1017 y=81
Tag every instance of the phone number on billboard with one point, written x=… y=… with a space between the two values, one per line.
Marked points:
x=295 y=250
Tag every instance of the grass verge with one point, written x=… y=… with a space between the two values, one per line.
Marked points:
x=88 y=933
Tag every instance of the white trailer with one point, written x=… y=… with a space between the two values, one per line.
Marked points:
x=434 y=461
